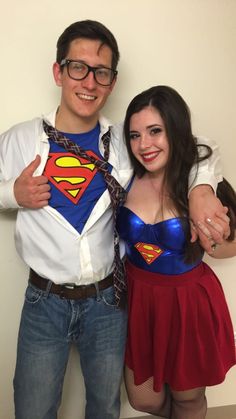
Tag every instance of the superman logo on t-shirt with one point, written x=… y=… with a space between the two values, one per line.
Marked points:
x=149 y=252
x=70 y=174
x=76 y=184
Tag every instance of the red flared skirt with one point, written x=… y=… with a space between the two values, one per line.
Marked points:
x=180 y=331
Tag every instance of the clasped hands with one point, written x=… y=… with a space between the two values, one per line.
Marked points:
x=209 y=220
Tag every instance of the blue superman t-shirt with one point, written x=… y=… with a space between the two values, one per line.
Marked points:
x=76 y=184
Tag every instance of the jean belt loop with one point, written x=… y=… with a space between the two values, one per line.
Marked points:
x=97 y=291
x=48 y=288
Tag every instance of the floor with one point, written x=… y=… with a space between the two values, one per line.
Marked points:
x=223 y=412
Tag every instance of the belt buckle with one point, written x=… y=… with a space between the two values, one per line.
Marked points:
x=69 y=286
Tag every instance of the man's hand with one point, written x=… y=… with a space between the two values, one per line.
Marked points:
x=32 y=191
x=209 y=220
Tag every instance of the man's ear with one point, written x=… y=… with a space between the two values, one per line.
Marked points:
x=57 y=74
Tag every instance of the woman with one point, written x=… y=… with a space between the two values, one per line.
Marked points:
x=180 y=336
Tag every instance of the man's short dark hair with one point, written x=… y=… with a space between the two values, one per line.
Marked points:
x=88 y=29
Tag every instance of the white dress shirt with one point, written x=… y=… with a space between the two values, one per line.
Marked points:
x=45 y=240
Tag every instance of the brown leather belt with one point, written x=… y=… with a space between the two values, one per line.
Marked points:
x=70 y=291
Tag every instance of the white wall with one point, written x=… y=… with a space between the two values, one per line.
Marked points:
x=188 y=44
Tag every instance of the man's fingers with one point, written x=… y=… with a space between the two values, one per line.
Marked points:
x=30 y=169
x=193 y=231
x=223 y=216
x=38 y=204
x=201 y=232
x=213 y=232
x=44 y=187
x=205 y=243
x=32 y=191
x=43 y=195
x=41 y=180
x=215 y=226
x=221 y=225
x=202 y=227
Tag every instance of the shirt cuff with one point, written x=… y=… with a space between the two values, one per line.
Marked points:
x=7 y=197
x=206 y=179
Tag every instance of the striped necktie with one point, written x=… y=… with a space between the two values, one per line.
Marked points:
x=116 y=191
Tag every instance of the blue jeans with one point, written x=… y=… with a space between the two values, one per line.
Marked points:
x=49 y=325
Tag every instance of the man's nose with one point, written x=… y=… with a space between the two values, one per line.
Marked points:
x=89 y=81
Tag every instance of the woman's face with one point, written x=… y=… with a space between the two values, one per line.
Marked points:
x=148 y=139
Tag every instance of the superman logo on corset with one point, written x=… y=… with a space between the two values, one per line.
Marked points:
x=70 y=174
x=149 y=252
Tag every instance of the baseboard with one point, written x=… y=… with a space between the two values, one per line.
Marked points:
x=221 y=412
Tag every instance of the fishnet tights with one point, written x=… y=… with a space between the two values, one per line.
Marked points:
x=145 y=399
x=190 y=404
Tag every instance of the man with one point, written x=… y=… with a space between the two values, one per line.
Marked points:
x=64 y=232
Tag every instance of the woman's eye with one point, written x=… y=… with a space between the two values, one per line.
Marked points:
x=156 y=130
x=133 y=136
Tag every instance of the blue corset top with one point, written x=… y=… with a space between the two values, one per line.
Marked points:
x=155 y=247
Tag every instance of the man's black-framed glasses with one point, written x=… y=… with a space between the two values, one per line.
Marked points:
x=77 y=70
